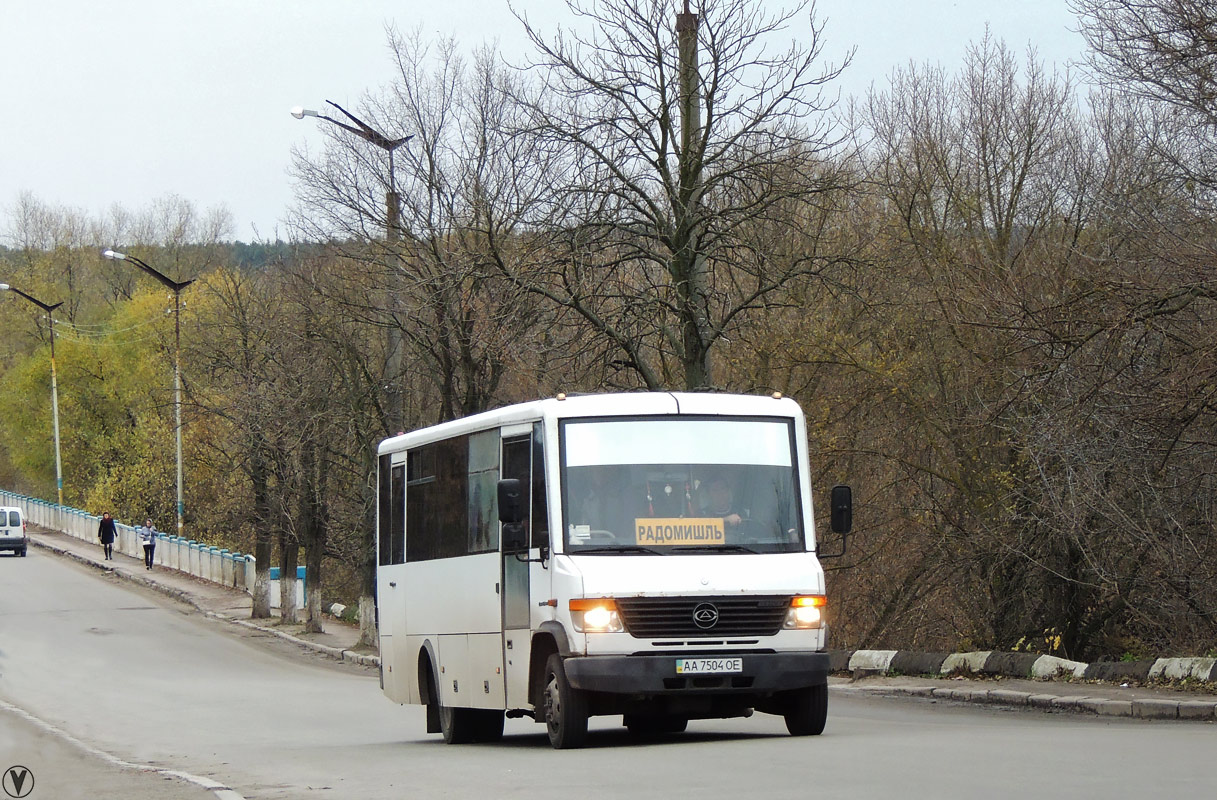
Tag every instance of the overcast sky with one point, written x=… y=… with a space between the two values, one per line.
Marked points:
x=125 y=101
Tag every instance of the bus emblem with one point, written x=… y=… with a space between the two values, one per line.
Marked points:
x=705 y=616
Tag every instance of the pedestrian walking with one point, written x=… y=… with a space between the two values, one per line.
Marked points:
x=147 y=537
x=107 y=533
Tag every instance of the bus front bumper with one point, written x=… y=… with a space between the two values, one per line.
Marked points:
x=759 y=673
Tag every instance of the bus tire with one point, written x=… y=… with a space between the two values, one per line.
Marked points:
x=459 y=725
x=808 y=711
x=565 y=708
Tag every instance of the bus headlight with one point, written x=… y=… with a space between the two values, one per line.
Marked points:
x=596 y=615
x=805 y=612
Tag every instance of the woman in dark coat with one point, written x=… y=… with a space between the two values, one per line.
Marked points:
x=107 y=534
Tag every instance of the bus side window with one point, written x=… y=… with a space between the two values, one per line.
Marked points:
x=391 y=514
x=540 y=508
x=384 y=518
x=516 y=465
x=397 y=516
x=524 y=460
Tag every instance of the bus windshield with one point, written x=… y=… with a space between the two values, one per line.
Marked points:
x=676 y=485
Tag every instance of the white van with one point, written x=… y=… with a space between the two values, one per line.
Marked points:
x=12 y=531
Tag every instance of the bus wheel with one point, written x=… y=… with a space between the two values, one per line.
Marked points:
x=648 y=725
x=459 y=725
x=565 y=708
x=808 y=711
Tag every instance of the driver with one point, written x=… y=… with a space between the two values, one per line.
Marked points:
x=600 y=505
x=720 y=502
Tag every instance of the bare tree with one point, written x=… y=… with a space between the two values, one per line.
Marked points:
x=459 y=190
x=236 y=350
x=666 y=146
x=1163 y=52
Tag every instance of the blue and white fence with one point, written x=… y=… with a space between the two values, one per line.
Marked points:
x=203 y=561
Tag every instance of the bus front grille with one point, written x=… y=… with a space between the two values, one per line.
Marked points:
x=647 y=617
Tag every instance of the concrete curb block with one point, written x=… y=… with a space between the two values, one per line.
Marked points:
x=1118 y=671
x=1051 y=667
x=1028 y=665
x=908 y=662
x=967 y=662
x=871 y=660
x=1020 y=665
x=1202 y=669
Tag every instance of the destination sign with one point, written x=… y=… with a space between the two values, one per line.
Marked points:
x=662 y=531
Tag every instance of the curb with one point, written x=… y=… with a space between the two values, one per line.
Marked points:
x=1149 y=709
x=1021 y=665
x=177 y=594
x=862 y=663
x=337 y=653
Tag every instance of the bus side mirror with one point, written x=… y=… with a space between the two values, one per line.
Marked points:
x=510 y=505
x=842 y=515
x=511 y=514
x=842 y=509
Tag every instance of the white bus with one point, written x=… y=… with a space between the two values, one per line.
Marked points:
x=649 y=555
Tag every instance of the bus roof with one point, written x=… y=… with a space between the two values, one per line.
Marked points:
x=601 y=405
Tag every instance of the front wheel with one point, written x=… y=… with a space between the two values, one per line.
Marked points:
x=807 y=711
x=565 y=708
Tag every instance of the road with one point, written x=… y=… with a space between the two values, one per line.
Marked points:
x=142 y=681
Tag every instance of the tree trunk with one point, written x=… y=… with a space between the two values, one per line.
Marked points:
x=289 y=550
x=369 y=636
x=312 y=524
x=262 y=538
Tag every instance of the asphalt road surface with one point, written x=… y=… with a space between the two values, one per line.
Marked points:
x=154 y=696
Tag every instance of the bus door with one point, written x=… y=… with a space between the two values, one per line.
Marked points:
x=522 y=461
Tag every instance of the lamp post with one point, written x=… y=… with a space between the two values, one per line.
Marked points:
x=396 y=417
x=177 y=287
x=4 y=287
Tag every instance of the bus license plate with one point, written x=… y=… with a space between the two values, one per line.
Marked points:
x=708 y=666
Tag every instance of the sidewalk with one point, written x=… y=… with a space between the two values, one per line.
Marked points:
x=1158 y=702
x=213 y=600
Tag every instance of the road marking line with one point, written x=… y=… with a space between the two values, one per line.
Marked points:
x=221 y=791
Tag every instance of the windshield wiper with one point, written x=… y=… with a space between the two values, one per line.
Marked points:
x=628 y=548
x=713 y=548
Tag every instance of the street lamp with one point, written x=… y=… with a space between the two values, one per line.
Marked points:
x=177 y=287
x=4 y=287
x=396 y=417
